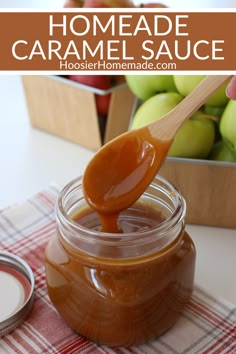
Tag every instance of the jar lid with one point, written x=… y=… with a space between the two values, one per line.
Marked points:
x=16 y=291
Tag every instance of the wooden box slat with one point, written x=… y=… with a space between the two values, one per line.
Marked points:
x=68 y=110
x=208 y=187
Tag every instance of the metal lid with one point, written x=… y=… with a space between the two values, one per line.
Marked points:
x=16 y=291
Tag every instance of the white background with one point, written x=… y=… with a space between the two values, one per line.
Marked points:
x=32 y=3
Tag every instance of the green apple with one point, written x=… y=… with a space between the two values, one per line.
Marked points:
x=195 y=138
x=228 y=123
x=214 y=111
x=146 y=86
x=186 y=83
x=154 y=108
x=222 y=151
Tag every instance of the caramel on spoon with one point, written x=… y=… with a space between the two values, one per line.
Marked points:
x=122 y=169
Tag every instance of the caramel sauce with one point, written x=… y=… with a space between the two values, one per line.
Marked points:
x=116 y=300
x=120 y=172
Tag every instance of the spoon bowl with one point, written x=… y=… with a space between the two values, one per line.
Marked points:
x=129 y=163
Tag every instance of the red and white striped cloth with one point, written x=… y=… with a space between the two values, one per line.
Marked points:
x=208 y=324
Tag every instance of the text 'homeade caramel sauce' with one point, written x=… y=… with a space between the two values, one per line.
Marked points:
x=120 y=172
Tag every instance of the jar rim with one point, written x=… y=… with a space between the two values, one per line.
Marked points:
x=177 y=216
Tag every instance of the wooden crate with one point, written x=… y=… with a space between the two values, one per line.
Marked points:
x=209 y=189
x=67 y=109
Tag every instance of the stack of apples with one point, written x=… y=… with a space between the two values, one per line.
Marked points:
x=211 y=131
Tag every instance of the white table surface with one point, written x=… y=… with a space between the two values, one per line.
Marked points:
x=30 y=160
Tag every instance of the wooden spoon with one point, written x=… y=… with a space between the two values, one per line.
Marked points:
x=123 y=168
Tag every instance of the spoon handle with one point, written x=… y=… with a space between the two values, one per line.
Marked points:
x=166 y=127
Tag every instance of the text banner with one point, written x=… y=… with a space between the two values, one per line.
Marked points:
x=117 y=41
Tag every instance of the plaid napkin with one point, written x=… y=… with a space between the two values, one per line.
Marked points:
x=208 y=324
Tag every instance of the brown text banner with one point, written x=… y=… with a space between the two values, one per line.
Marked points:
x=117 y=41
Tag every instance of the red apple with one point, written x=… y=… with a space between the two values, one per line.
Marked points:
x=107 y=3
x=94 y=4
x=102 y=82
x=153 y=5
x=98 y=3
x=70 y=4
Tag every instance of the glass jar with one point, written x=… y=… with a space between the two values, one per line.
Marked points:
x=127 y=288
